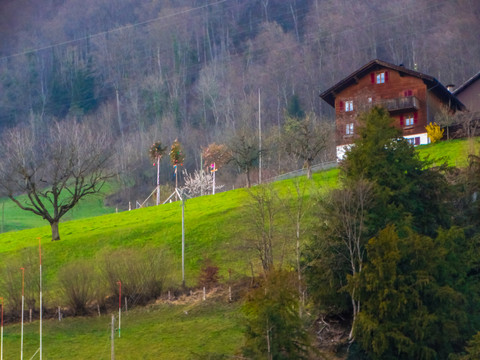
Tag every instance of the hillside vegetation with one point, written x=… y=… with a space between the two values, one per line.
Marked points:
x=217 y=228
x=192 y=70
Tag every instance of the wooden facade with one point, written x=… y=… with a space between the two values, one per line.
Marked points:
x=412 y=99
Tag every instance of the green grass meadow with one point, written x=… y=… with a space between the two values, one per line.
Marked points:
x=215 y=228
x=164 y=331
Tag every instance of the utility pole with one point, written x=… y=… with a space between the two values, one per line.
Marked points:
x=1 y=335
x=3 y=215
x=201 y=174
x=158 y=180
x=259 y=139
x=23 y=306
x=119 y=307
x=214 y=170
x=41 y=308
x=119 y=119
x=182 y=198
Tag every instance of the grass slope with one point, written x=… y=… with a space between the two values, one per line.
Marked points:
x=164 y=331
x=214 y=229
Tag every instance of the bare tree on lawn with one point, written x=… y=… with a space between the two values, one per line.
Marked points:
x=244 y=153
x=445 y=118
x=54 y=168
x=307 y=138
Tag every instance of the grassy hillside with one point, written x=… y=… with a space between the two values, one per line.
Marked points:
x=216 y=228
x=164 y=331
x=455 y=152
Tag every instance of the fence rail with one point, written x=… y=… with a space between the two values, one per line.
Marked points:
x=300 y=172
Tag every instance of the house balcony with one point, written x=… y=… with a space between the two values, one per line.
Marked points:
x=400 y=104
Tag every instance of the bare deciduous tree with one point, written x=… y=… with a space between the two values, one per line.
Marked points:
x=307 y=138
x=297 y=206
x=346 y=212
x=263 y=217
x=55 y=168
x=245 y=153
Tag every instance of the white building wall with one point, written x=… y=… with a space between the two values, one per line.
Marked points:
x=342 y=149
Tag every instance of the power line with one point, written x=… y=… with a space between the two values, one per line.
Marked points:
x=121 y=28
x=308 y=38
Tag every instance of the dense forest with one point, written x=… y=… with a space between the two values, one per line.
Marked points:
x=195 y=70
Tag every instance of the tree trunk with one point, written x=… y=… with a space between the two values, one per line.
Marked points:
x=55 y=233
x=247 y=173
x=309 y=169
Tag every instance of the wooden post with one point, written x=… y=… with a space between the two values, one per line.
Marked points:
x=204 y=294
x=1 y=335
x=126 y=304
x=30 y=313
x=112 y=339
x=230 y=293
x=119 y=307
x=158 y=180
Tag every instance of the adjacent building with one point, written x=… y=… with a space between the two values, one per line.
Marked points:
x=412 y=99
x=469 y=93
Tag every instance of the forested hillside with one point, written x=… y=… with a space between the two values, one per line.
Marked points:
x=193 y=70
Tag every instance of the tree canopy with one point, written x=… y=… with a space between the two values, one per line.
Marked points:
x=55 y=168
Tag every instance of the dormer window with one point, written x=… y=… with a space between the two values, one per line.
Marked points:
x=381 y=78
x=349 y=105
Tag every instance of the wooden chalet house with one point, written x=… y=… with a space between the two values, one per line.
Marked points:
x=412 y=99
x=469 y=93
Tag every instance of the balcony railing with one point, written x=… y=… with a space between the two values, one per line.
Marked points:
x=399 y=104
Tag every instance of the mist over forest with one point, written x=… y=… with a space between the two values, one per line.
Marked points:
x=144 y=71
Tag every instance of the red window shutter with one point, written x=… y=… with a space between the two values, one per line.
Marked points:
x=415 y=117
x=417 y=140
x=386 y=76
x=401 y=120
x=405 y=93
x=340 y=105
x=410 y=93
x=372 y=78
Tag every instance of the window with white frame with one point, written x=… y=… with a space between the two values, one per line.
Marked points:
x=349 y=129
x=381 y=78
x=409 y=120
x=349 y=105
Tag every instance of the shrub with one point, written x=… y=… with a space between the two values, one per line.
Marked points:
x=434 y=132
x=77 y=281
x=208 y=274
x=142 y=273
x=11 y=281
